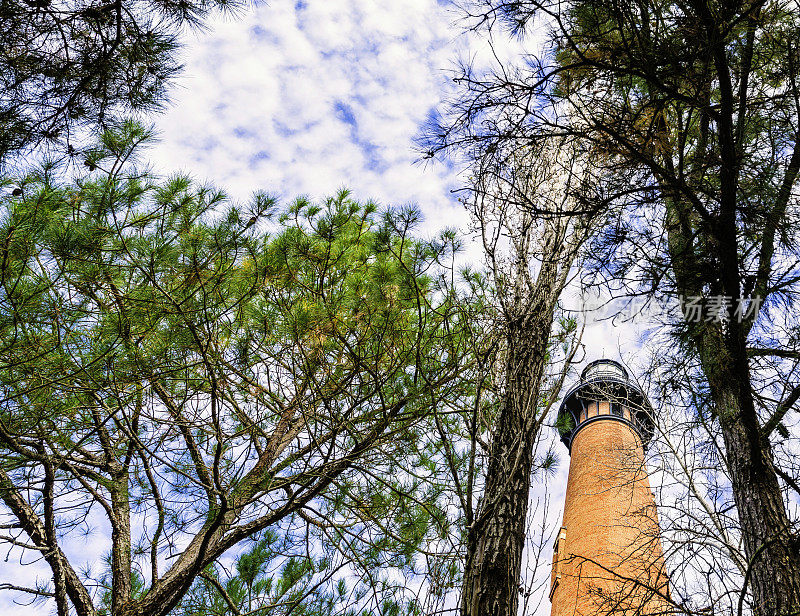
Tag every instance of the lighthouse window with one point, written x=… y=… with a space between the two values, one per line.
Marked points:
x=557 y=557
x=616 y=409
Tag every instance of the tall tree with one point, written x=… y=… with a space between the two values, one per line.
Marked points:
x=66 y=66
x=530 y=261
x=692 y=109
x=167 y=363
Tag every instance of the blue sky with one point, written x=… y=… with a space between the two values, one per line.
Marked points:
x=305 y=98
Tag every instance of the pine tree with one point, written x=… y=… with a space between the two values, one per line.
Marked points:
x=70 y=66
x=214 y=373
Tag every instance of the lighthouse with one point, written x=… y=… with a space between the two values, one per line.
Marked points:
x=608 y=557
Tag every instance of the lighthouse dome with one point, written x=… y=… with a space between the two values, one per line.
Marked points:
x=604 y=392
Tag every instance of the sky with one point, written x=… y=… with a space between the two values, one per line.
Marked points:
x=308 y=97
x=304 y=98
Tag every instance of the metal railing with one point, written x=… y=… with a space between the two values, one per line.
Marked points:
x=604 y=369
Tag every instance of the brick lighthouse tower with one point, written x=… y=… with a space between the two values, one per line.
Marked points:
x=608 y=557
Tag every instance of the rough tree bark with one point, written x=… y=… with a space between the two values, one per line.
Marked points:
x=550 y=180
x=497 y=536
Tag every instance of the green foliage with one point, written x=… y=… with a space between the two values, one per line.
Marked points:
x=264 y=580
x=67 y=66
x=213 y=372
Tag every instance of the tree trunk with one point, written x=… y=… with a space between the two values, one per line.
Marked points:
x=121 y=563
x=772 y=549
x=496 y=538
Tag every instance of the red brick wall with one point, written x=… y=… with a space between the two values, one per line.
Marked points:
x=609 y=559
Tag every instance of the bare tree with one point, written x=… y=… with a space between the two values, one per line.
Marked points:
x=692 y=112
x=530 y=259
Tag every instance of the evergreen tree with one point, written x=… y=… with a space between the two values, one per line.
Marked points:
x=199 y=374
x=66 y=66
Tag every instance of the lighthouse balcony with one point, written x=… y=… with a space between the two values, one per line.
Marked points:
x=604 y=392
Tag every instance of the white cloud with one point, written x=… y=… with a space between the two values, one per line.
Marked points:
x=305 y=98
